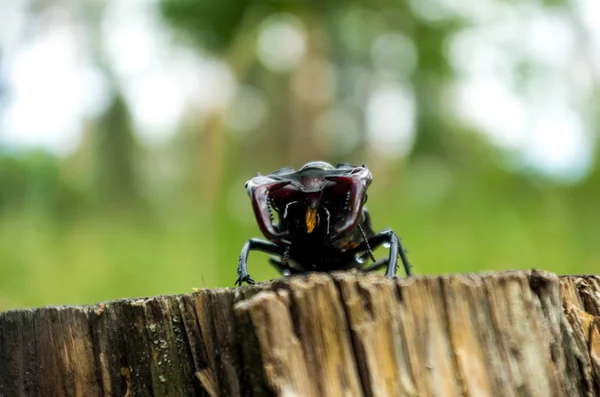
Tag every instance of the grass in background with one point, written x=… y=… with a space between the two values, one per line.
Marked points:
x=462 y=229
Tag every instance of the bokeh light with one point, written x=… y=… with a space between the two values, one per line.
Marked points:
x=281 y=42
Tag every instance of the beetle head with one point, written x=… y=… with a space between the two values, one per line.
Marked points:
x=318 y=191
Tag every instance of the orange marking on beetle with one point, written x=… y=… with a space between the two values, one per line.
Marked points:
x=311 y=219
x=349 y=245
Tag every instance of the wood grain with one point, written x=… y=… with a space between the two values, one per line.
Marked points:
x=521 y=333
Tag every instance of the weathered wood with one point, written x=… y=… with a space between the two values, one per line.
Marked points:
x=497 y=334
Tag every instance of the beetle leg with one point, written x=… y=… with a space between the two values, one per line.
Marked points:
x=396 y=249
x=380 y=264
x=388 y=235
x=285 y=270
x=285 y=258
x=404 y=257
x=258 y=245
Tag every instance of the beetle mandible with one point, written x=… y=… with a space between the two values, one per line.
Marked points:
x=321 y=225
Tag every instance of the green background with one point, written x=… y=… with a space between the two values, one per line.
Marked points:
x=121 y=218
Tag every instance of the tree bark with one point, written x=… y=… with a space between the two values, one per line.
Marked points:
x=344 y=334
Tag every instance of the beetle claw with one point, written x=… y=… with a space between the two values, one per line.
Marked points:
x=245 y=279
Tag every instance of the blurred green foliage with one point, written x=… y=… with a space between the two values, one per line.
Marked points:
x=119 y=218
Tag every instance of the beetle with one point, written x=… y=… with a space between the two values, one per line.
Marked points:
x=315 y=220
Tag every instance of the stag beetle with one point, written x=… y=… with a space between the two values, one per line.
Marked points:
x=321 y=223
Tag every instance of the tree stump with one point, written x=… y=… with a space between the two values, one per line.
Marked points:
x=521 y=333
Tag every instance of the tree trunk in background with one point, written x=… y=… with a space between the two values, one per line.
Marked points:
x=303 y=113
x=502 y=334
x=116 y=181
x=432 y=74
x=211 y=155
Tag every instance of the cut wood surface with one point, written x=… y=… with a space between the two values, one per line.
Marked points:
x=521 y=333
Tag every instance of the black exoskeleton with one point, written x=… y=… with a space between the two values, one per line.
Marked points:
x=321 y=223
